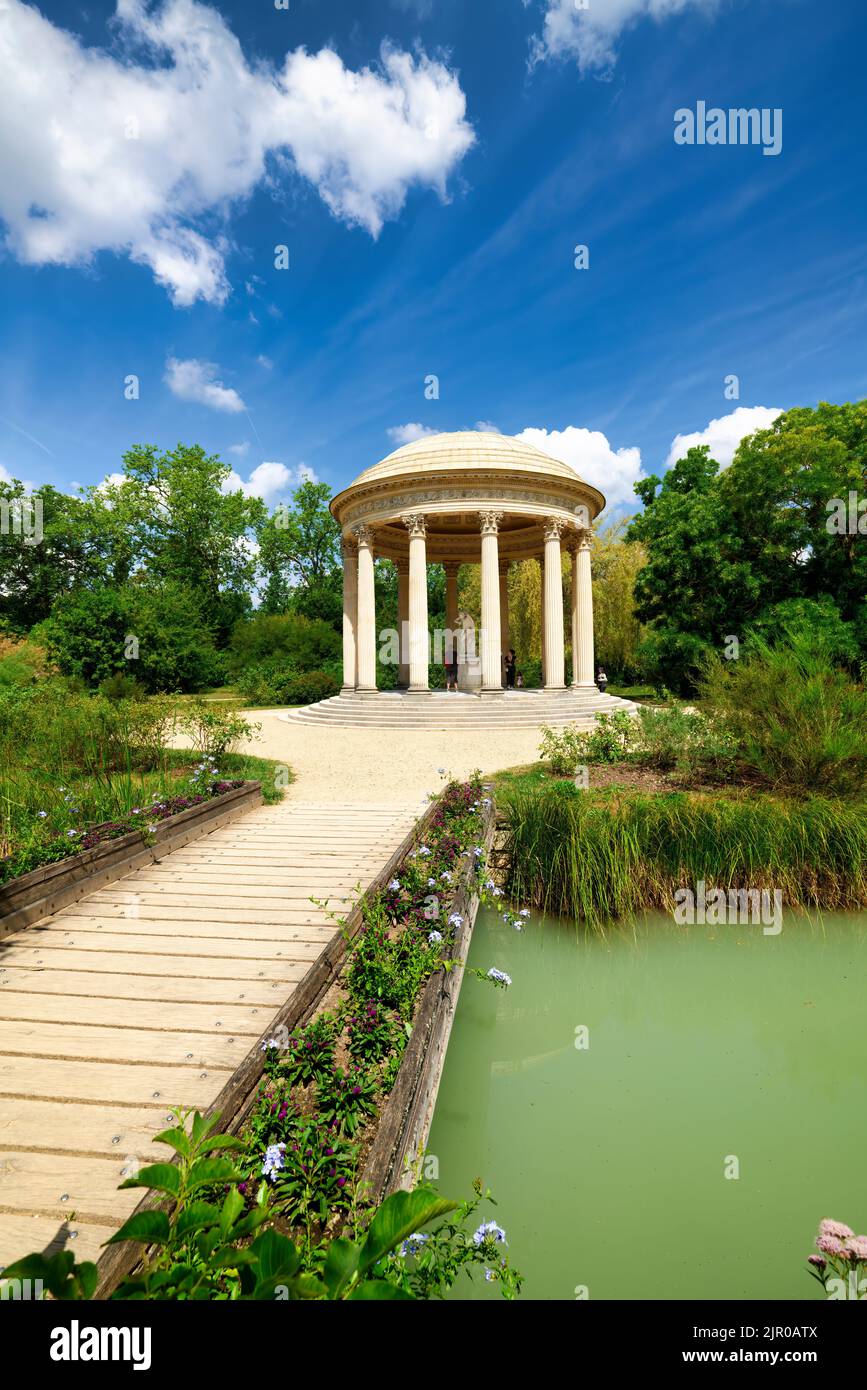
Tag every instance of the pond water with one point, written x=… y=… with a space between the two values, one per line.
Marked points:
x=705 y=1043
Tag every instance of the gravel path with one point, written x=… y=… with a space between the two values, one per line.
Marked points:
x=383 y=766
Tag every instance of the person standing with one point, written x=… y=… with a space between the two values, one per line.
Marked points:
x=601 y=680
x=510 y=669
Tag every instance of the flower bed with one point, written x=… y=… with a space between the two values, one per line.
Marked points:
x=104 y=853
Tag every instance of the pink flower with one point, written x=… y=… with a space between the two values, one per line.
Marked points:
x=829 y=1244
x=856 y=1247
x=835 y=1228
x=816 y=1260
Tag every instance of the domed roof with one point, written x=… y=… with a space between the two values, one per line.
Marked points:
x=462 y=449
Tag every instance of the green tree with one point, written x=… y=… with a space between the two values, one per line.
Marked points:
x=299 y=556
x=189 y=529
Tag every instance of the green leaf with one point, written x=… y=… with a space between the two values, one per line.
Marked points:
x=163 y=1177
x=177 y=1138
x=378 y=1290
x=86 y=1276
x=340 y=1265
x=230 y=1211
x=150 y=1227
x=222 y=1141
x=210 y=1172
x=399 y=1216
x=278 y=1262
x=198 y=1216
x=201 y=1127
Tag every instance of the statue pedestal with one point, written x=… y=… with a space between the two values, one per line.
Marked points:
x=470 y=675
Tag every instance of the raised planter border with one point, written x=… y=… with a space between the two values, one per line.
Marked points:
x=30 y=897
x=408 y=1119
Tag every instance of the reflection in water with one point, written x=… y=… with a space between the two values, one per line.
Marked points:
x=608 y=1163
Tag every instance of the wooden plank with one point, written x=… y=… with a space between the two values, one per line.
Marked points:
x=115 y=962
x=23 y=1232
x=187 y=912
x=124 y=986
x=74 y=1127
x=31 y=1182
x=141 y=943
x=41 y=1038
x=232 y=1019
x=116 y=1083
x=215 y=931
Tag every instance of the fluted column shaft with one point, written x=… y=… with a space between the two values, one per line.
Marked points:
x=582 y=588
x=574 y=614
x=541 y=560
x=491 y=654
x=553 y=610
x=350 y=612
x=419 y=637
x=403 y=621
x=504 y=611
x=365 y=629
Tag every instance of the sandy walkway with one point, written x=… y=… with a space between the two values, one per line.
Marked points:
x=384 y=766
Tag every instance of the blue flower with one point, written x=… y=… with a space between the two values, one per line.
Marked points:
x=273 y=1161
x=394 y=885
x=499 y=977
x=489 y=1230
x=435 y=937
x=456 y=920
x=413 y=1243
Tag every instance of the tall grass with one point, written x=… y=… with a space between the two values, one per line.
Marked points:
x=599 y=856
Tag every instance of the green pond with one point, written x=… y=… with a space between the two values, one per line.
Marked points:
x=705 y=1043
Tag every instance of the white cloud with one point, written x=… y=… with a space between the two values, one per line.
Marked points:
x=242 y=449
x=271 y=481
x=487 y=427
x=590 y=35
x=191 y=379
x=725 y=434
x=264 y=361
x=406 y=434
x=127 y=153
x=612 y=471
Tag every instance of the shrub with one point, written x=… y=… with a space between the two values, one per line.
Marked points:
x=686 y=740
x=611 y=740
x=122 y=687
x=310 y=686
x=563 y=749
x=214 y=730
x=795 y=718
x=278 y=641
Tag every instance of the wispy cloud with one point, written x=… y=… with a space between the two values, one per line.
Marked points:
x=191 y=379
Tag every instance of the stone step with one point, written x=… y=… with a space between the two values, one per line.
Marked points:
x=440 y=712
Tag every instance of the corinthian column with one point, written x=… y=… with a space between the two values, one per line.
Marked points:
x=365 y=627
x=402 y=567
x=350 y=610
x=419 y=637
x=491 y=655
x=553 y=606
x=582 y=604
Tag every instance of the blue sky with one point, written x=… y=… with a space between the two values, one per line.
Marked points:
x=430 y=195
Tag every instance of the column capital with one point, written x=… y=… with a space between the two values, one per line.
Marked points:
x=553 y=527
x=415 y=523
x=583 y=539
x=489 y=522
x=363 y=535
x=348 y=547
x=451 y=568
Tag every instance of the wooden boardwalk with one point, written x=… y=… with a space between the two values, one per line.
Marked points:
x=148 y=994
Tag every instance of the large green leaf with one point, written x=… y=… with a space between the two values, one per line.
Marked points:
x=150 y=1227
x=399 y=1216
x=210 y=1172
x=177 y=1138
x=230 y=1211
x=278 y=1262
x=164 y=1177
x=379 y=1290
x=340 y=1266
x=198 y=1216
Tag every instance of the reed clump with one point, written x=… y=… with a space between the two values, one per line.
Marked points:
x=599 y=856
